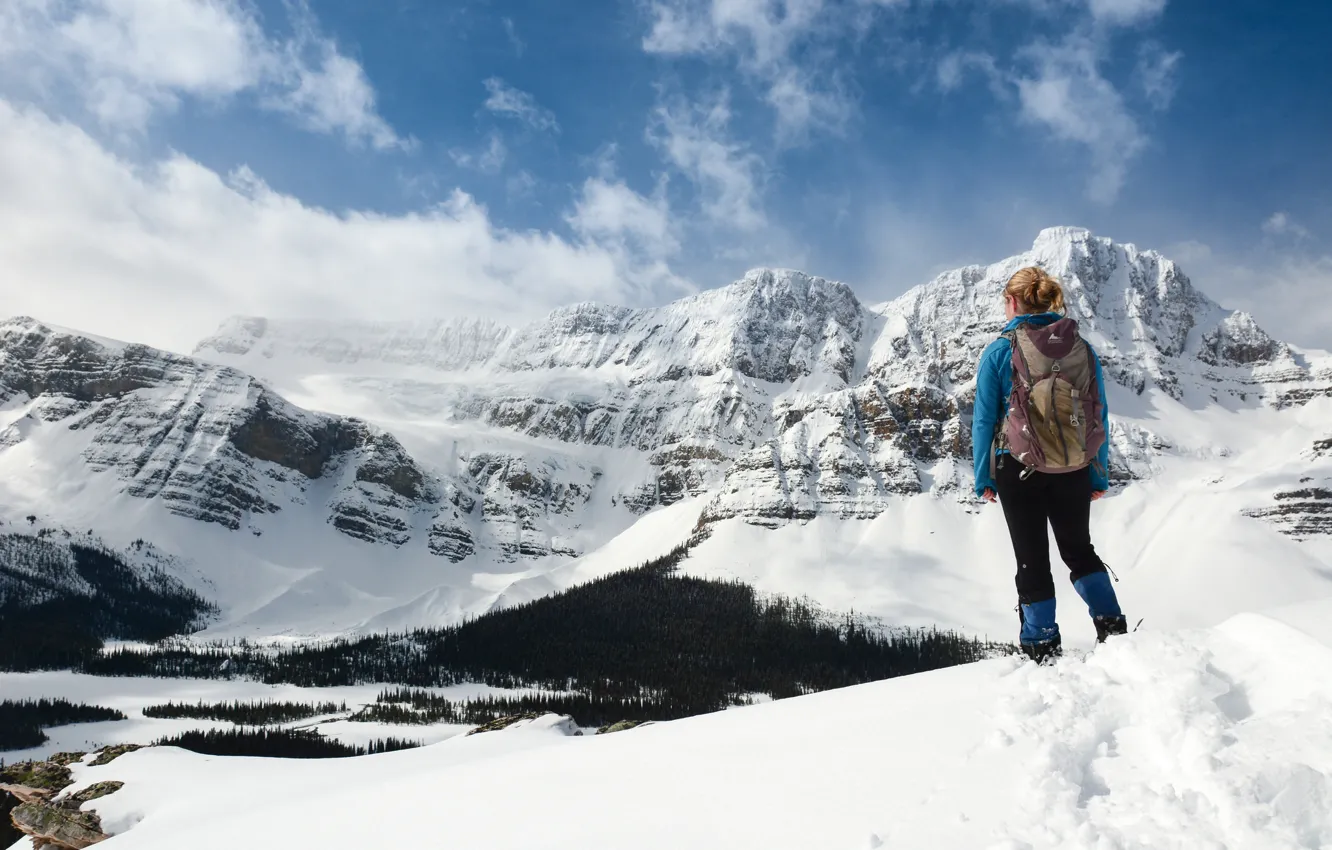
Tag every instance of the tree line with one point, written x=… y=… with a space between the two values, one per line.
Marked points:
x=278 y=743
x=261 y=713
x=59 y=600
x=648 y=641
x=22 y=721
x=407 y=706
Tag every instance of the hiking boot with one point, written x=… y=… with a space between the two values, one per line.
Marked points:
x=1044 y=652
x=1109 y=626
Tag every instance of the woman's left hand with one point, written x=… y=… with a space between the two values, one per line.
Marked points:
x=1098 y=494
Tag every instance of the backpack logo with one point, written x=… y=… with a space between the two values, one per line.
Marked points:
x=1054 y=421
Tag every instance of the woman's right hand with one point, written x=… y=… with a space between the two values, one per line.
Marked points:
x=989 y=495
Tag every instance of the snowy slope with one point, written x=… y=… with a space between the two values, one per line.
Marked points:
x=822 y=445
x=131 y=695
x=1216 y=738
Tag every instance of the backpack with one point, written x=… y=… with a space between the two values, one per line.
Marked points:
x=1054 y=419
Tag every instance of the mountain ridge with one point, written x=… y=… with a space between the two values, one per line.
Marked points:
x=503 y=451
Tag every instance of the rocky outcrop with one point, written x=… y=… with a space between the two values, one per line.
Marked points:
x=622 y=726
x=1302 y=512
x=1238 y=341
x=560 y=723
x=57 y=826
x=38 y=780
x=110 y=754
x=43 y=814
x=501 y=723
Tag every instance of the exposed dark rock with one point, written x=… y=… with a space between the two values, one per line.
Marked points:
x=44 y=776
x=9 y=834
x=110 y=754
x=272 y=433
x=53 y=825
x=385 y=462
x=500 y=723
x=34 y=808
x=1238 y=341
x=622 y=726
x=1301 y=513
x=451 y=538
x=92 y=792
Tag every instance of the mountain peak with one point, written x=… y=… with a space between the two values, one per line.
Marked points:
x=28 y=326
x=797 y=282
x=1063 y=233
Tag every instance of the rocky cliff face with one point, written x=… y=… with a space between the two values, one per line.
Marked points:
x=213 y=444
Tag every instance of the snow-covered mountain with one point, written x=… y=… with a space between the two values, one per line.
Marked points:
x=462 y=464
x=826 y=404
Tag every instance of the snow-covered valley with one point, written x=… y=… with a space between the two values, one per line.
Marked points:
x=1212 y=738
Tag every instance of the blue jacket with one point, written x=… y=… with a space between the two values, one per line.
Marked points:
x=994 y=383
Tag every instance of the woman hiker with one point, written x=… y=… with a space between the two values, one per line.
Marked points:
x=1039 y=445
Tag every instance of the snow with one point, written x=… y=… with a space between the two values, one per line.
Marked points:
x=783 y=410
x=925 y=560
x=131 y=695
x=816 y=440
x=1217 y=738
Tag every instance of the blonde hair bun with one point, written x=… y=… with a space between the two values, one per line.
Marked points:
x=1036 y=291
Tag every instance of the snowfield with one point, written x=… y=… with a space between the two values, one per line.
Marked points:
x=131 y=695
x=1197 y=740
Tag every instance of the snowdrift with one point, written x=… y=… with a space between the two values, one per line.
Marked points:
x=1218 y=738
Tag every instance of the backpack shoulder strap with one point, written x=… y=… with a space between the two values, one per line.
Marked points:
x=1011 y=336
x=1019 y=356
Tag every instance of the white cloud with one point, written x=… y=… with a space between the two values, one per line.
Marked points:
x=489 y=160
x=504 y=99
x=1125 y=12
x=511 y=32
x=335 y=95
x=608 y=210
x=785 y=45
x=161 y=253
x=1156 y=73
x=520 y=185
x=1286 y=292
x=1283 y=285
x=1189 y=253
x=1064 y=93
x=694 y=139
x=800 y=103
x=952 y=70
x=1281 y=224
x=127 y=60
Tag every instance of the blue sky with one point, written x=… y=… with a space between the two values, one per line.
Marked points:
x=168 y=162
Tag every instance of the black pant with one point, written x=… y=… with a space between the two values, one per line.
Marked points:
x=1064 y=501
